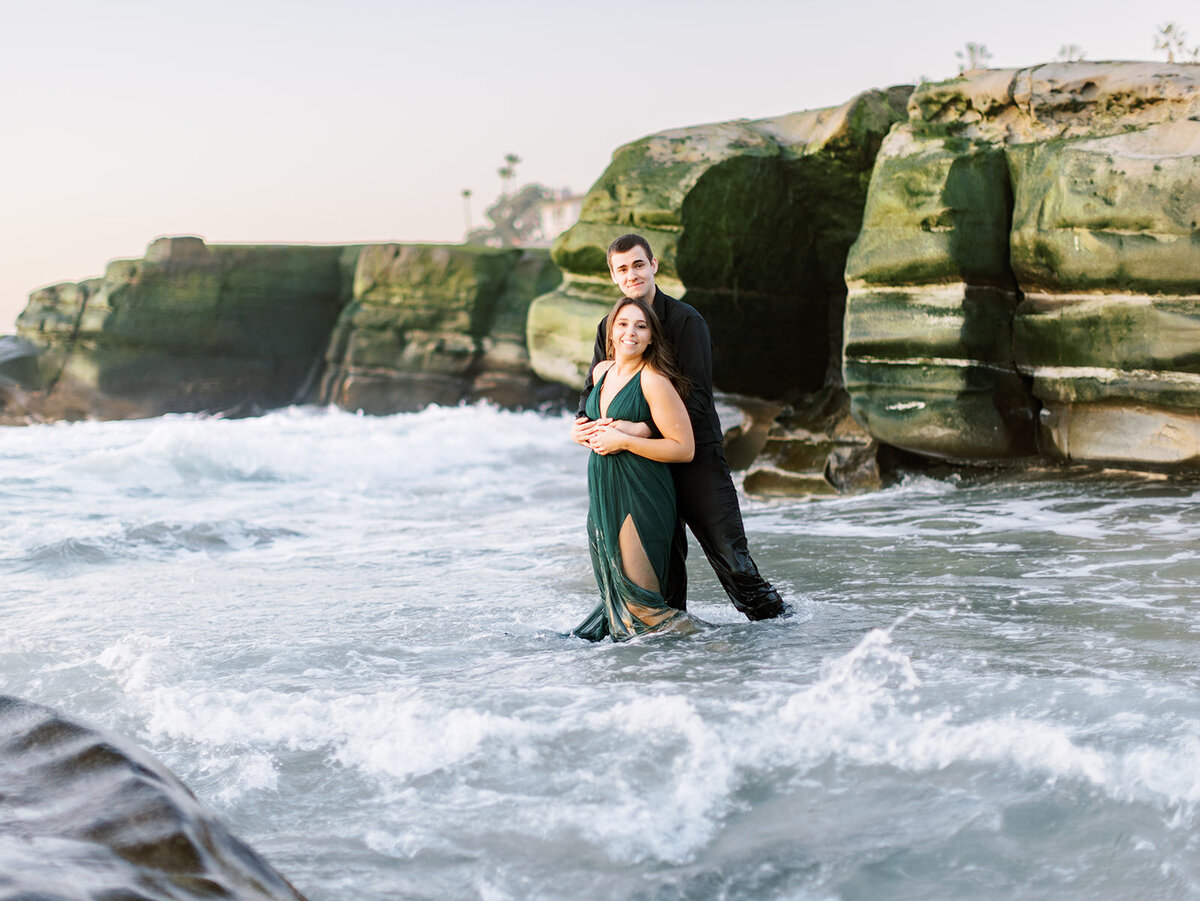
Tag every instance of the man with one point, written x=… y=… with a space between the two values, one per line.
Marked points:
x=706 y=499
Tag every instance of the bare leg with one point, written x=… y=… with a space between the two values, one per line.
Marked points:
x=634 y=561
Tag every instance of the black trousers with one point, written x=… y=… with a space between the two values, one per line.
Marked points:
x=707 y=502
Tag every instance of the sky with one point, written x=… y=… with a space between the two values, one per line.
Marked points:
x=308 y=121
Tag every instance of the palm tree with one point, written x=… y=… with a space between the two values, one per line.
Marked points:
x=466 y=196
x=508 y=171
x=975 y=56
x=1170 y=38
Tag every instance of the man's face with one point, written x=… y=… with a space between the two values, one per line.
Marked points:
x=633 y=272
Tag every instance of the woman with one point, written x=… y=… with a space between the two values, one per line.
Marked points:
x=631 y=509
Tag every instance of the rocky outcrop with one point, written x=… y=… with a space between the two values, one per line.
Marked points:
x=437 y=324
x=1024 y=275
x=928 y=358
x=19 y=375
x=90 y=817
x=1106 y=248
x=190 y=327
x=238 y=329
x=1001 y=265
x=750 y=221
x=1027 y=276
x=810 y=448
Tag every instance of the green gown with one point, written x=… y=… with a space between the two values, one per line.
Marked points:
x=625 y=485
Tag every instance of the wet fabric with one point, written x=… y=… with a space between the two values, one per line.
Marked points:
x=707 y=498
x=707 y=502
x=624 y=487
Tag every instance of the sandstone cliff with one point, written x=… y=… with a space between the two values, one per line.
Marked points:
x=437 y=324
x=190 y=327
x=241 y=328
x=751 y=221
x=1023 y=279
x=1027 y=278
x=1004 y=266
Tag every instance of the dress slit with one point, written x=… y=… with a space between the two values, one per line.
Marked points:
x=635 y=563
x=631 y=514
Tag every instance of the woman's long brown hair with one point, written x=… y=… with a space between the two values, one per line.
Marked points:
x=660 y=355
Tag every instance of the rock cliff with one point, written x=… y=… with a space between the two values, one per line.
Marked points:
x=190 y=327
x=437 y=324
x=993 y=268
x=1027 y=278
x=242 y=328
x=750 y=221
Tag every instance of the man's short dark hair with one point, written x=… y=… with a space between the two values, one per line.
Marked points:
x=626 y=243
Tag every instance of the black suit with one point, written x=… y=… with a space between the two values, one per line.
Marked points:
x=705 y=497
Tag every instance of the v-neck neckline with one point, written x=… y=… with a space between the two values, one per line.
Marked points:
x=620 y=391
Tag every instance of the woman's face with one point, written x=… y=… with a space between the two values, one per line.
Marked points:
x=630 y=332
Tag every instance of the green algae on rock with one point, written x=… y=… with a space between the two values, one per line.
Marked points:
x=750 y=221
x=435 y=323
x=1106 y=248
x=190 y=327
x=1061 y=271
x=927 y=354
x=240 y=328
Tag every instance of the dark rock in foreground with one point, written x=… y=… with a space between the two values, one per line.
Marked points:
x=87 y=816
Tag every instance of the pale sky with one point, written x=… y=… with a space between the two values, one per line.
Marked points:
x=363 y=120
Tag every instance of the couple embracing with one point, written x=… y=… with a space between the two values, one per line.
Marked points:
x=657 y=462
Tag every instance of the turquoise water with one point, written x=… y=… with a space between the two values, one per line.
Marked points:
x=347 y=635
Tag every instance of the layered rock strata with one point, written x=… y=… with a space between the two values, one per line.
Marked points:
x=1107 y=250
x=238 y=329
x=90 y=817
x=437 y=324
x=1027 y=272
x=750 y=221
x=813 y=448
x=190 y=327
x=928 y=358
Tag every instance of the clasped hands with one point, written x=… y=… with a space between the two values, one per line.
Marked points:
x=606 y=436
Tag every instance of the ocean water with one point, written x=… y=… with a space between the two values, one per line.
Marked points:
x=348 y=635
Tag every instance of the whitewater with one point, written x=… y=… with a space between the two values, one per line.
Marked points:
x=349 y=636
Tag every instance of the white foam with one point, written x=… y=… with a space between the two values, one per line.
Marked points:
x=656 y=810
x=385 y=644
x=866 y=710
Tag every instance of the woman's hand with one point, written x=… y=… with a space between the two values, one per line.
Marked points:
x=583 y=428
x=607 y=439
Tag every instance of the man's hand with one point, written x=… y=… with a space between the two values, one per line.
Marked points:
x=583 y=429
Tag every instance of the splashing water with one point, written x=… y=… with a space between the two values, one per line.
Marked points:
x=348 y=636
